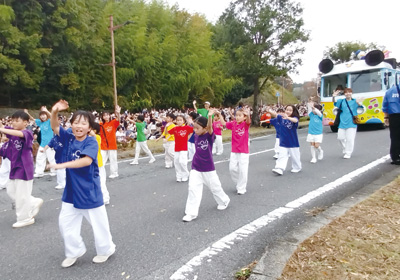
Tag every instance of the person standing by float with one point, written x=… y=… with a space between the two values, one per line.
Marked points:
x=391 y=109
x=347 y=128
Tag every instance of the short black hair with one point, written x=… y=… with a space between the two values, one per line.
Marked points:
x=202 y=121
x=171 y=115
x=86 y=115
x=96 y=127
x=140 y=118
x=193 y=115
x=20 y=114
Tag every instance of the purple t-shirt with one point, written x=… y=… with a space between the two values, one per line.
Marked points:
x=19 y=151
x=203 y=159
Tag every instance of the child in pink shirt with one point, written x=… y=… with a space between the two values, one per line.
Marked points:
x=239 y=160
x=218 y=148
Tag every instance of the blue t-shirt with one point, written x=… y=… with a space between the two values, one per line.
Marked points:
x=346 y=119
x=275 y=123
x=82 y=187
x=288 y=133
x=58 y=147
x=391 y=101
x=315 y=124
x=203 y=159
x=45 y=131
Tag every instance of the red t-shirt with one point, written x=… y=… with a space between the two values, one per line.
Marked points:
x=181 y=134
x=109 y=139
x=266 y=117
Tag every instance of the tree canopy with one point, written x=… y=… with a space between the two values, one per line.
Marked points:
x=342 y=51
x=260 y=39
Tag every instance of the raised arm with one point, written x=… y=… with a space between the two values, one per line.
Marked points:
x=273 y=113
x=59 y=106
x=210 y=121
x=221 y=118
x=118 y=112
x=30 y=116
x=194 y=105
x=248 y=117
x=12 y=132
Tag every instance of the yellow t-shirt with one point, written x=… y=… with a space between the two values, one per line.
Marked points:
x=99 y=157
x=166 y=134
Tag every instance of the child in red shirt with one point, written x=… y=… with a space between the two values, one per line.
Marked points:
x=182 y=133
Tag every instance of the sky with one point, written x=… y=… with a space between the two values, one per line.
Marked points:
x=329 y=23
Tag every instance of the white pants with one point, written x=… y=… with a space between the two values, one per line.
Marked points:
x=41 y=160
x=218 y=148
x=20 y=192
x=112 y=155
x=61 y=177
x=103 y=179
x=144 y=147
x=4 y=172
x=239 y=167
x=70 y=223
x=284 y=154
x=180 y=162
x=277 y=146
x=191 y=150
x=346 y=138
x=196 y=181
x=169 y=147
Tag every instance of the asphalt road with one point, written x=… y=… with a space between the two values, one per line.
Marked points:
x=147 y=206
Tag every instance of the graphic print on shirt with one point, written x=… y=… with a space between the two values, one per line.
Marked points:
x=18 y=144
x=287 y=124
x=76 y=155
x=109 y=129
x=203 y=144
x=240 y=131
x=182 y=133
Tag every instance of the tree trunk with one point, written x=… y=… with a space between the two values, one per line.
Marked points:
x=255 y=120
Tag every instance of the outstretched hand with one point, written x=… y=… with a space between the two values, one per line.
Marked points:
x=117 y=109
x=61 y=105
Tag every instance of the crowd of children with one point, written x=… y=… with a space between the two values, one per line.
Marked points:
x=77 y=155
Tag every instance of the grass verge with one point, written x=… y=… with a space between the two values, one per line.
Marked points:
x=364 y=243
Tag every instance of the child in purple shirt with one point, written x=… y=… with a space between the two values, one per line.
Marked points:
x=19 y=151
x=203 y=170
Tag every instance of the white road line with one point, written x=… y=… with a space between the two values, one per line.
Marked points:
x=229 y=240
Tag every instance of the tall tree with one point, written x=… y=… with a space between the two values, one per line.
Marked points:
x=262 y=39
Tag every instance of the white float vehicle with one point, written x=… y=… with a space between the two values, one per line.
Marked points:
x=370 y=78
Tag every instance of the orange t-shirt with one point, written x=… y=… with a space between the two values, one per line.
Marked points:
x=108 y=135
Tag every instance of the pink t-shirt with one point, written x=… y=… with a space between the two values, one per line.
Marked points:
x=240 y=136
x=217 y=127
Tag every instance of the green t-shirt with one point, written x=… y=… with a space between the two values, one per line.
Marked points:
x=140 y=126
x=203 y=112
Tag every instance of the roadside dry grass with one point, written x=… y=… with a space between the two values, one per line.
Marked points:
x=362 y=244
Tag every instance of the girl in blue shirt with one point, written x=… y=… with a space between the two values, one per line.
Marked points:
x=314 y=136
x=82 y=195
x=288 y=140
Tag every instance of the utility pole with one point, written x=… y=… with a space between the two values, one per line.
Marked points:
x=111 y=29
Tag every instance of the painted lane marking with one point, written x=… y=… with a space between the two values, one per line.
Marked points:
x=229 y=240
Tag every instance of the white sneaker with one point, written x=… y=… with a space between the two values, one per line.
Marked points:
x=24 y=223
x=188 y=218
x=38 y=175
x=347 y=156
x=35 y=210
x=101 y=259
x=295 y=170
x=313 y=160
x=113 y=176
x=59 y=187
x=152 y=160
x=185 y=179
x=218 y=154
x=321 y=155
x=223 y=207
x=277 y=171
x=71 y=261
x=276 y=156
x=240 y=193
x=52 y=174
x=134 y=163
x=178 y=180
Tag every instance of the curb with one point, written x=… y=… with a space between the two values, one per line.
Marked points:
x=276 y=255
